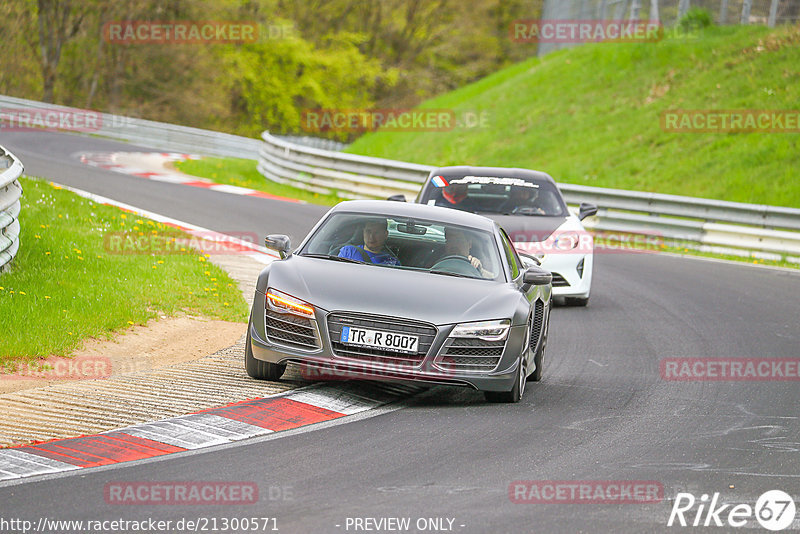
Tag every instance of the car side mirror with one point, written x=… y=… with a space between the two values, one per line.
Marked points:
x=586 y=209
x=397 y=198
x=536 y=276
x=279 y=243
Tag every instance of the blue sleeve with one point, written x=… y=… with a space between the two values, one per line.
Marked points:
x=350 y=251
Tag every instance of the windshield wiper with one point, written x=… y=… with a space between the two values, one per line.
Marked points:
x=331 y=257
x=449 y=273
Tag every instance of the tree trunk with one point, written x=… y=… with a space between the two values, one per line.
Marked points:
x=654 y=16
x=55 y=28
x=683 y=7
x=636 y=7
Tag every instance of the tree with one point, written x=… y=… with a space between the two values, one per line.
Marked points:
x=58 y=22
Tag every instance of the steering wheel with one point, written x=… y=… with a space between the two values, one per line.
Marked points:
x=455 y=264
x=527 y=210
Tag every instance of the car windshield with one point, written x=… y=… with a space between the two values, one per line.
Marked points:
x=404 y=243
x=495 y=194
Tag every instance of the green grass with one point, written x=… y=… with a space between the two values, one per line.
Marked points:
x=243 y=173
x=591 y=115
x=64 y=286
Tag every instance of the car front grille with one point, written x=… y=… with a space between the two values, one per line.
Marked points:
x=536 y=329
x=559 y=281
x=291 y=330
x=470 y=355
x=426 y=333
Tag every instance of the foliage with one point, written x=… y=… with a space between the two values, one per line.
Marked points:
x=592 y=115
x=696 y=19
x=310 y=54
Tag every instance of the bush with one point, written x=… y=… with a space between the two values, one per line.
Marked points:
x=696 y=19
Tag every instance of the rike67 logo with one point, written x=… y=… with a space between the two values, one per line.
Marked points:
x=774 y=510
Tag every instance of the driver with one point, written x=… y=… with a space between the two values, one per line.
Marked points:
x=456 y=196
x=522 y=198
x=458 y=243
x=374 y=250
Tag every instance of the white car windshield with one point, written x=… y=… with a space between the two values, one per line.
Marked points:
x=496 y=194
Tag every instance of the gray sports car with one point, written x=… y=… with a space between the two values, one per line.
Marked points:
x=398 y=291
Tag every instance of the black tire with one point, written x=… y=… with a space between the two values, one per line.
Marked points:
x=515 y=395
x=258 y=369
x=576 y=301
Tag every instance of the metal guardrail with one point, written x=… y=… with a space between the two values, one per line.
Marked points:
x=10 y=192
x=159 y=135
x=164 y=136
x=700 y=223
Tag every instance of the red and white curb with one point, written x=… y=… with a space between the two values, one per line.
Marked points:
x=152 y=165
x=223 y=243
x=217 y=426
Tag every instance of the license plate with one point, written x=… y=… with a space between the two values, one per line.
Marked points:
x=379 y=339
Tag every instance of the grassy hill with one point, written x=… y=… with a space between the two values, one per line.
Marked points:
x=591 y=115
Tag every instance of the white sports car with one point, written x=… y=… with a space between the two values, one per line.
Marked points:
x=530 y=207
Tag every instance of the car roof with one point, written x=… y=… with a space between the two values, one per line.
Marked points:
x=503 y=172
x=421 y=211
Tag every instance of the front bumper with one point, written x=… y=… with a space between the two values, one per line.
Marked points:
x=323 y=363
x=568 y=281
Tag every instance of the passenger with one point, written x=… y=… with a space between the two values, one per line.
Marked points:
x=374 y=250
x=458 y=243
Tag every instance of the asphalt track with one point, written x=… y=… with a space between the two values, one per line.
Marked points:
x=602 y=412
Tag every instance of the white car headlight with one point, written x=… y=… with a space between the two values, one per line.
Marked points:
x=485 y=330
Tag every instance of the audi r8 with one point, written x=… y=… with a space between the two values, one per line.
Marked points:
x=403 y=292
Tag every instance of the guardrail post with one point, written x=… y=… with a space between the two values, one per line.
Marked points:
x=773 y=13
x=746 y=5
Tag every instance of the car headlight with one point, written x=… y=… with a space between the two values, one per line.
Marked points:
x=566 y=241
x=485 y=330
x=281 y=302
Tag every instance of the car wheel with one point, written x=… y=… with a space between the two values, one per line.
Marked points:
x=516 y=392
x=258 y=369
x=576 y=301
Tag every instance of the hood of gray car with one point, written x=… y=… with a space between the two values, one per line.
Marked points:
x=527 y=228
x=371 y=289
